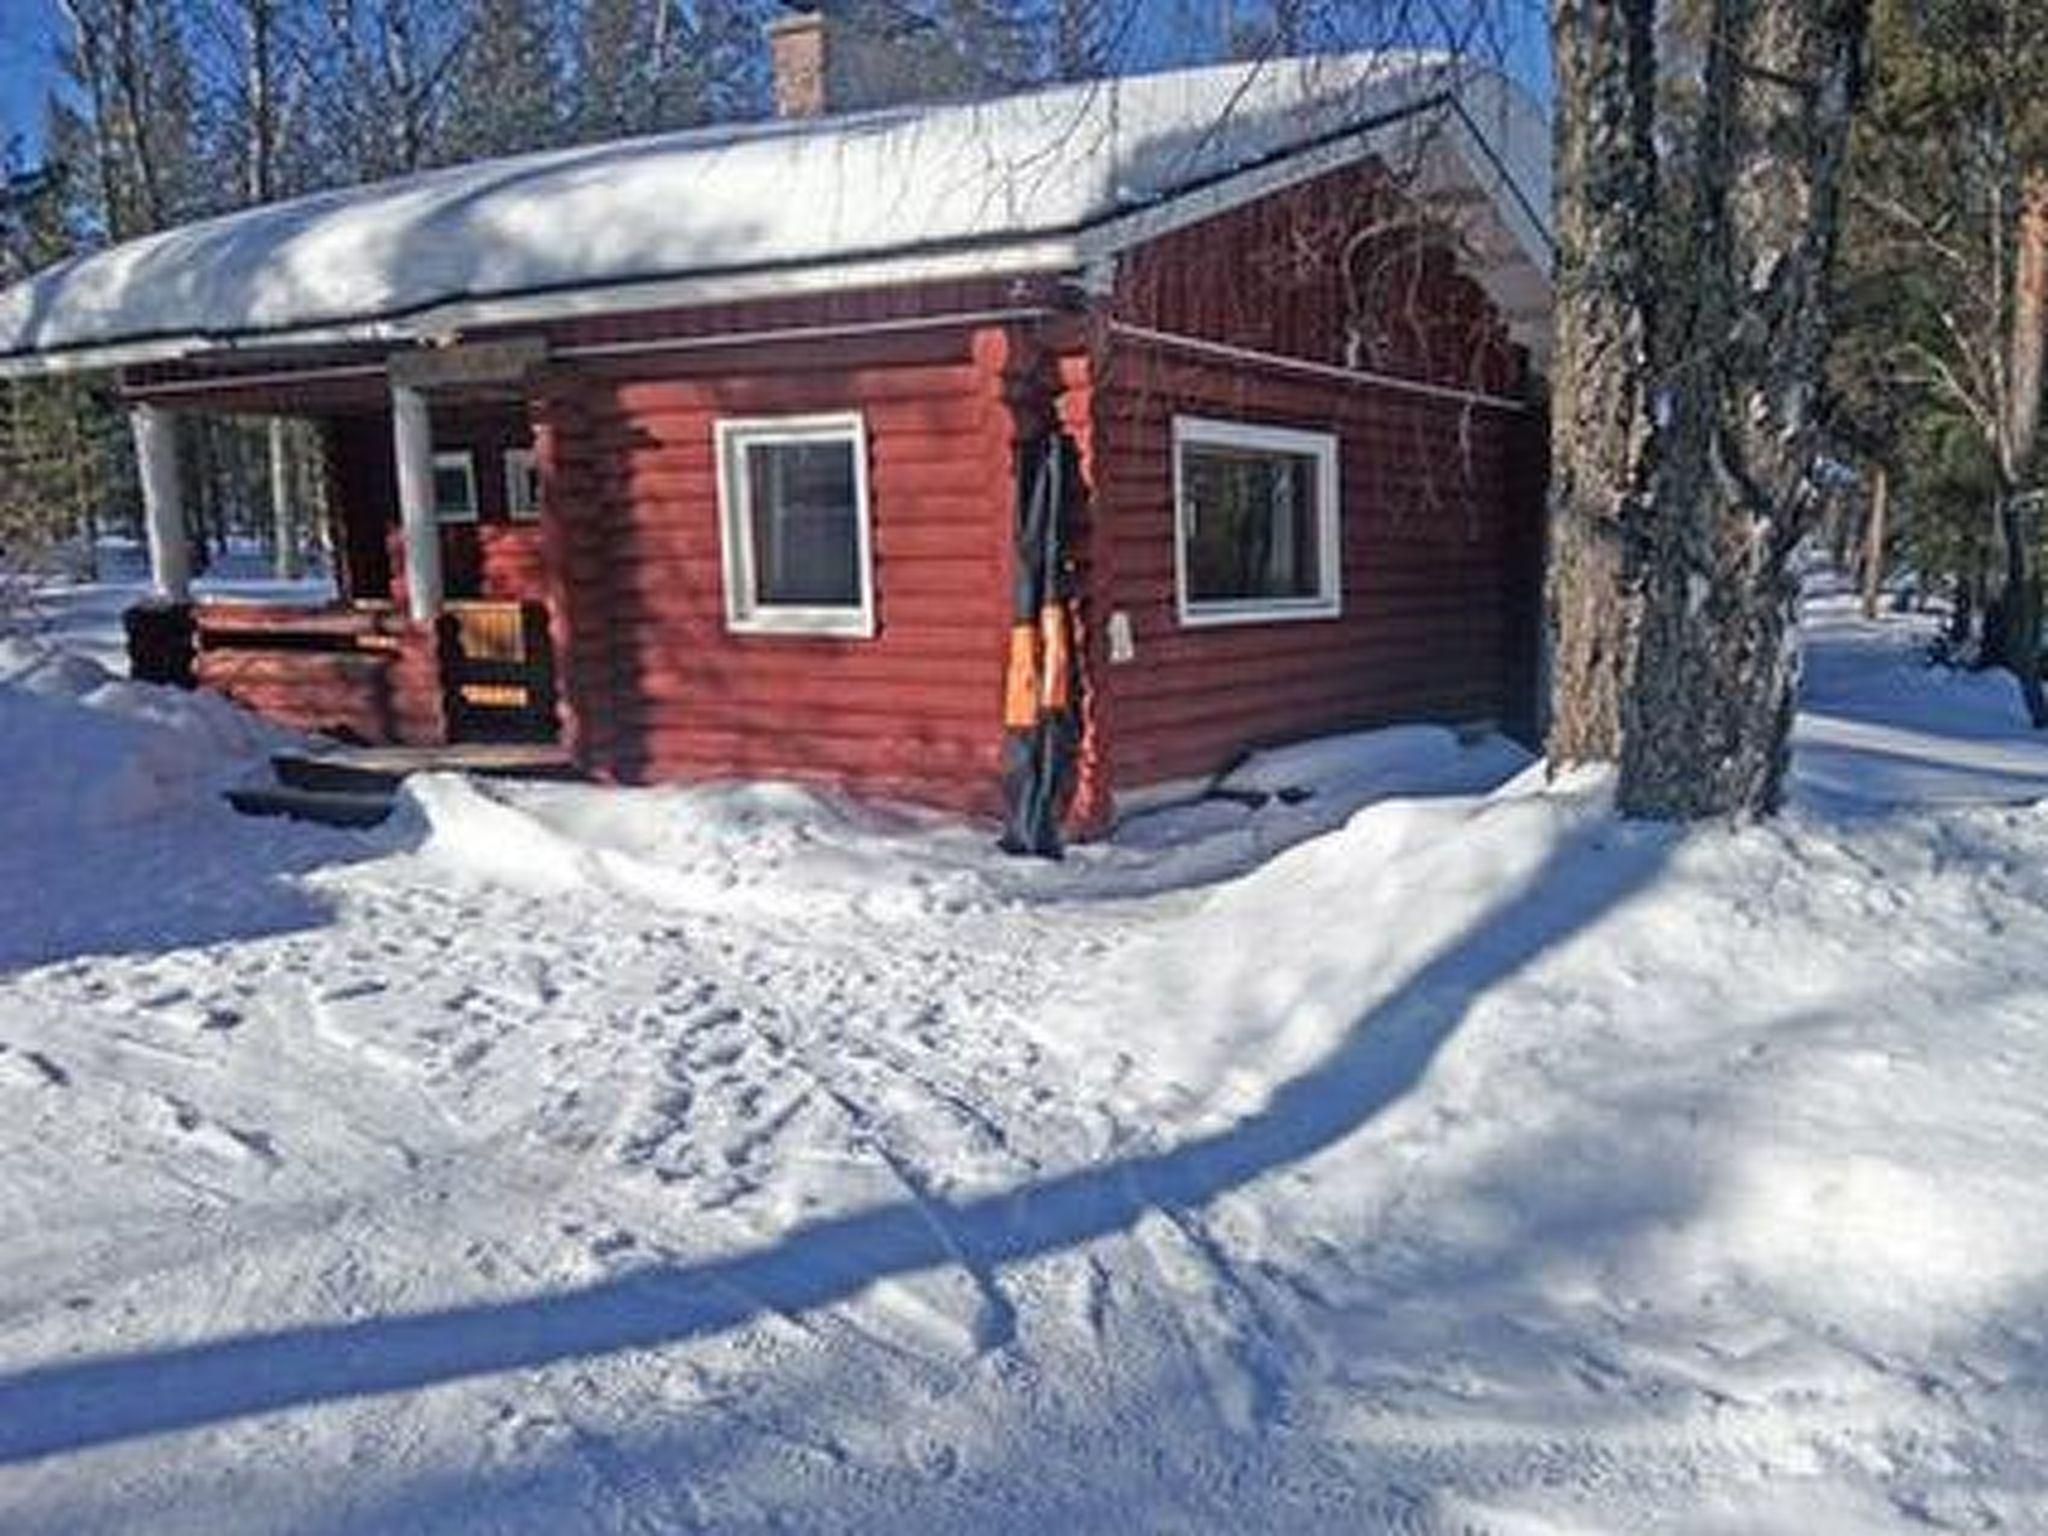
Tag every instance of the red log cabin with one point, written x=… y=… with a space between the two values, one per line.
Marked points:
x=704 y=454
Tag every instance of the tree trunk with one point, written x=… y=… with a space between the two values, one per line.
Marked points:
x=1707 y=719
x=2018 y=639
x=2019 y=607
x=1602 y=435
x=2024 y=358
x=1873 y=539
x=1962 y=614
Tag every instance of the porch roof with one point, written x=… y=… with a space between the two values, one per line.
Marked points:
x=1048 y=181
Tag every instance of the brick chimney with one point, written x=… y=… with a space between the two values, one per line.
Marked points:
x=849 y=55
x=796 y=58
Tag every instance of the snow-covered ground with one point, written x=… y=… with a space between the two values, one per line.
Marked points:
x=557 y=1159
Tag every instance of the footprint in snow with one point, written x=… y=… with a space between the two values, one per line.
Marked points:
x=31 y=1069
x=350 y=991
x=229 y=1141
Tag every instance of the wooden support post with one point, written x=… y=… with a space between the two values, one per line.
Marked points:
x=412 y=437
x=163 y=508
x=284 y=523
x=1873 y=541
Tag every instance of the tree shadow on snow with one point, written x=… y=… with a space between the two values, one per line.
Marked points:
x=66 y=1407
x=173 y=884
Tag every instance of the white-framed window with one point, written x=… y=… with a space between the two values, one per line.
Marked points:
x=522 y=485
x=794 y=522
x=455 y=487
x=1255 y=522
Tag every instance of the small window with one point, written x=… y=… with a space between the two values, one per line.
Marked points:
x=793 y=502
x=455 y=487
x=1256 y=522
x=522 y=484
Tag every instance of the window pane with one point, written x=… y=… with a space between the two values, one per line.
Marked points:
x=806 y=524
x=452 y=496
x=522 y=482
x=1252 y=524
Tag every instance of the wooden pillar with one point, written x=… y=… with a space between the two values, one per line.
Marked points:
x=412 y=438
x=1873 y=540
x=284 y=523
x=163 y=508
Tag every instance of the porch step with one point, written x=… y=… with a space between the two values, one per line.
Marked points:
x=330 y=807
x=318 y=774
x=356 y=786
x=380 y=770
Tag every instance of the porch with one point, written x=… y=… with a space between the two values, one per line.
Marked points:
x=438 y=633
x=480 y=671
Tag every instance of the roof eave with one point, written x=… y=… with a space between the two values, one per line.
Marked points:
x=1024 y=256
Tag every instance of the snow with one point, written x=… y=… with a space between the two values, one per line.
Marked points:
x=415 y=257
x=1882 y=727
x=127 y=752
x=85 y=616
x=1433 y=1152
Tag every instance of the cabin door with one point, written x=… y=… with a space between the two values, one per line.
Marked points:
x=499 y=672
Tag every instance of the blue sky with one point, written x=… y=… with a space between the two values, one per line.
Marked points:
x=28 y=38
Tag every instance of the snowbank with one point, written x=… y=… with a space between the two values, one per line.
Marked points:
x=87 y=752
x=770 y=850
x=782 y=850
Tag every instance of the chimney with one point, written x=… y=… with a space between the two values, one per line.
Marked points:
x=849 y=55
x=796 y=58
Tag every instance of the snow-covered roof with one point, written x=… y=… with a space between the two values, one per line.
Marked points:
x=1049 y=181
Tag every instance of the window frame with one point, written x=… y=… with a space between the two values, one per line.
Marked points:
x=520 y=469
x=463 y=459
x=732 y=437
x=1295 y=442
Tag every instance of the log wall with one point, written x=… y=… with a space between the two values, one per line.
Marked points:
x=656 y=685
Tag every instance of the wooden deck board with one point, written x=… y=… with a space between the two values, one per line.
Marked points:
x=335 y=766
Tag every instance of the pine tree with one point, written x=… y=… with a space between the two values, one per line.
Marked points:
x=57 y=452
x=505 y=96
x=380 y=79
x=130 y=63
x=1693 y=329
x=610 y=51
x=732 y=62
x=1948 y=264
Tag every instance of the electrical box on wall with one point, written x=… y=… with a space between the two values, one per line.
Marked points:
x=1122 y=646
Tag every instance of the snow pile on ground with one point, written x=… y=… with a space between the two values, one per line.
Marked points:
x=770 y=849
x=88 y=751
x=737 y=1160
x=775 y=850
